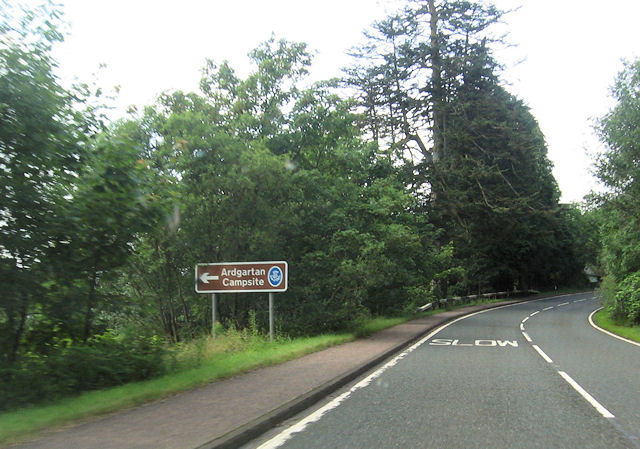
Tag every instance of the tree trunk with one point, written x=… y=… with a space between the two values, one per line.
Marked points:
x=88 y=317
x=16 y=330
x=437 y=91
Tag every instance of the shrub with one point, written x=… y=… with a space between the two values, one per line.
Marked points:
x=627 y=298
x=104 y=361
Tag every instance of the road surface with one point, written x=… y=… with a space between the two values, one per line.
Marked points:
x=530 y=375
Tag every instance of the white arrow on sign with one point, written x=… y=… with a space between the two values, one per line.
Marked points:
x=206 y=277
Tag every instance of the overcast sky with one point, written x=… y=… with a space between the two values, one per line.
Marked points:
x=567 y=53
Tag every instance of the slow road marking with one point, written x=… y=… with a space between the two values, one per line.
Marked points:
x=481 y=343
x=301 y=425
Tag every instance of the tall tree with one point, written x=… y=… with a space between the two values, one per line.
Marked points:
x=618 y=169
x=413 y=63
x=483 y=164
x=41 y=148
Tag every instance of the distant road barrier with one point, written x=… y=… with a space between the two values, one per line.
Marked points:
x=439 y=303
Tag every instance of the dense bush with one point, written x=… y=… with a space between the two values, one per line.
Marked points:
x=619 y=171
x=104 y=361
x=627 y=298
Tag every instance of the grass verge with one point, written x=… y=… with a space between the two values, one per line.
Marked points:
x=201 y=362
x=607 y=322
x=208 y=360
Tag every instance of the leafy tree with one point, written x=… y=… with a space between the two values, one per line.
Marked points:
x=310 y=191
x=388 y=91
x=618 y=169
x=414 y=62
x=499 y=199
x=431 y=84
x=41 y=148
x=104 y=210
x=255 y=107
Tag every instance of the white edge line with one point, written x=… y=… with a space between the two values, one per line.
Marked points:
x=590 y=399
x=542 y=354
x=286 y=434
x=611 y=334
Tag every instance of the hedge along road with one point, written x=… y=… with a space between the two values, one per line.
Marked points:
x=529 y=375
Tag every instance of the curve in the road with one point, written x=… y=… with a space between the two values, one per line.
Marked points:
x=604 y=331
x=466 y=407
x=575 y=385
x=286 y=434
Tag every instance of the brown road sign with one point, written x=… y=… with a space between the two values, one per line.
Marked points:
x=237 y=277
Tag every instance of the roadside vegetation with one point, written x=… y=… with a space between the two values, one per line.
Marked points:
x=605 y=319
x=417 y=176
x=187 y=365
x=617 y=212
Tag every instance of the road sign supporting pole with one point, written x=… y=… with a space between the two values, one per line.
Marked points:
x=213 y=315
x=271 y=316
x=242 y=277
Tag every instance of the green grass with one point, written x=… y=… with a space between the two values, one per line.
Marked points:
x=205 y=360
x=604 y=319
x=194 y=364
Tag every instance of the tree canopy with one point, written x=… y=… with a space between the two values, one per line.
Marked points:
x=618 y=168
x=430 y=180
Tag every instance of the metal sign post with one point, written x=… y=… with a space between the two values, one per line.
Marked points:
x=213 y=315
x=242 y=277
x=270 y=316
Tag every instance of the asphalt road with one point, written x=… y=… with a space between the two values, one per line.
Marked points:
x=531 y=375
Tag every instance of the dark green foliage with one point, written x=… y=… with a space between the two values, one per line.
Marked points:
x=441 y=186
x=496 y=196
x=41 y=146
x=626 y=302
x=68 y=369
x=314 y=194
x=618 y=169
x=484 y=174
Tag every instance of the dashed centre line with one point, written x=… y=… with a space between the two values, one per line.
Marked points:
x=542 y=354
x=590 y=399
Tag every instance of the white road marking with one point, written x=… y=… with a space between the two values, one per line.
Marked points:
x=286 y=434
x=522 y=327
x=525 y=320
x=563 y=304
x=590 y=399
x=301 y=425
x=594 y=325
x=542 y=354
x=479 y=342
x=547 y=308
x=535 y=313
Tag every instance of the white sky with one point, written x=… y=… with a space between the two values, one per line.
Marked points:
x=571 y=51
